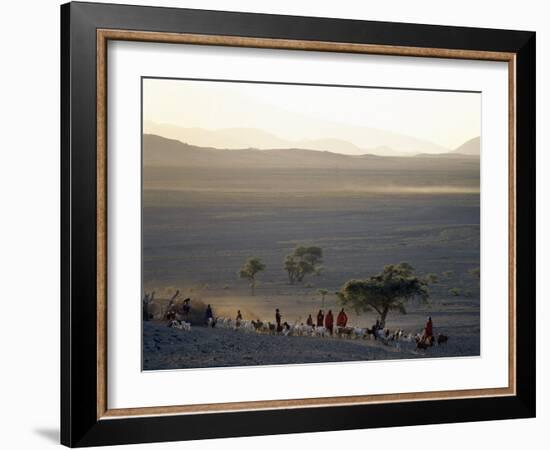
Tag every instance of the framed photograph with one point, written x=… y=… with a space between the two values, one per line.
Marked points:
x=277 y=224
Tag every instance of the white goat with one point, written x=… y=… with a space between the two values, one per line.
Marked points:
x=224 y=322
x=359 y=333
x=320 y=331
x=247 y=326
x=180 y=325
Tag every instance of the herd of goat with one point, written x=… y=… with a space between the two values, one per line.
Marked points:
x=257 y=326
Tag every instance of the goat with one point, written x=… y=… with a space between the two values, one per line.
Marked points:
x=180 y=325
x=257 y=324
x=225 y=322
x=247 y=326
x=287 y=329
x=303 y=330
x=344 y=331
x=360 y=333
x=422 y=343
x=320 y=331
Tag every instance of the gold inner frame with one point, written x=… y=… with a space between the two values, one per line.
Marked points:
x=104 y=35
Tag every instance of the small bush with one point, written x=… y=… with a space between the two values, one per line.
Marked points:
x=448 y=274
x=475 y=273
x=455 y=292
x=431 y=278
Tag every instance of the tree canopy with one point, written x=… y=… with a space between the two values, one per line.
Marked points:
x=387 y=291
x=303 y=261
x=250 y=269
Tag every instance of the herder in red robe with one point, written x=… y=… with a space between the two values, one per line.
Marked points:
x=320 y=318
x=342 y=319
x=329 y=321
x=428 y=329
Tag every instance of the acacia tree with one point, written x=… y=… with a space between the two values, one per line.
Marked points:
x=303 y=261
x=322 y=293
x=385 y=292
x=250 y=269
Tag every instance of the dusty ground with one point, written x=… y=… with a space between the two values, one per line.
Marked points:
x=198 y=233
x=168 y=348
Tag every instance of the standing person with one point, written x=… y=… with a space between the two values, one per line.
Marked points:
x=170 y=315
x=375 y=329
x=209 y=315
x=429 y=329
x=342 y=319
x=186 y=308
x=309 y=321
x=320 y=318
x=238 y=319
x=278 y=320
x=329 y=321
x=427 y=338
x=145 y=307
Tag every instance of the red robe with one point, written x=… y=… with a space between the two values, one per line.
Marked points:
x=329 y=322
x=342 y=319
x=428 y=329
x=320 y=318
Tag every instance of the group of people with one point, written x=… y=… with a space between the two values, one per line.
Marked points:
x=185 y=310
x=323 y=320
x=326 y=321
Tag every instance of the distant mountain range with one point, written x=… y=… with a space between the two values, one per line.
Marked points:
x=173 y=165
x=377 y=142
x=160 y=151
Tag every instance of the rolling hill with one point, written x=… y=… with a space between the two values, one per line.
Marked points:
x=471 y=147
x=160 y=151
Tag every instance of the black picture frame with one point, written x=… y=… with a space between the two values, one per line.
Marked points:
x=80 y=425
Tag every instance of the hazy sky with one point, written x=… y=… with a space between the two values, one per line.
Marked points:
x=295 y=112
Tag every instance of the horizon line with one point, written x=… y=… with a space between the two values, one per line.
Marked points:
x=407 y=155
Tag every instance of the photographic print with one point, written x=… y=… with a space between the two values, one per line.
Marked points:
x=296 y=224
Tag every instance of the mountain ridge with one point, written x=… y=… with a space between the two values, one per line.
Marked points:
x=381 y=142
x=161 y=151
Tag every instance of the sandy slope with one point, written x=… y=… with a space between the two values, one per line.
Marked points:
x=168 y=348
